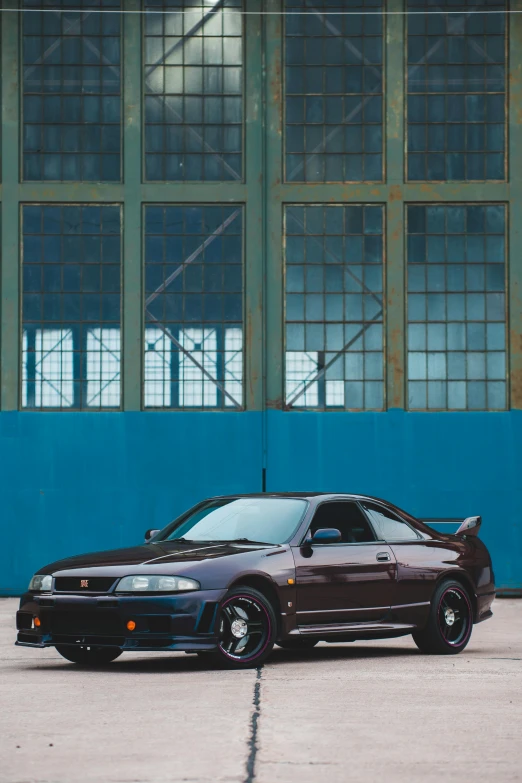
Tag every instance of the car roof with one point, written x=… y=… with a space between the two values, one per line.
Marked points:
x=352 y=496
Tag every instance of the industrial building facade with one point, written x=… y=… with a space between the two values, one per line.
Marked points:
x=258 y=245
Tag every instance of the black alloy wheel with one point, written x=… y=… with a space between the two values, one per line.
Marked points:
x=297 y=644
x=89 y=656
x=450 y=621
x=246 y=629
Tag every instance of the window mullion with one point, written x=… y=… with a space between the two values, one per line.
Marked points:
x=394 y=225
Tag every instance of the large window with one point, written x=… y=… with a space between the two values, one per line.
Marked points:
x=456 y=91
x=334 y=307
x=71 y=90
x=193 y=307
x=333 y=91
x=193 y=85
x=456 y=307
x=71 y=306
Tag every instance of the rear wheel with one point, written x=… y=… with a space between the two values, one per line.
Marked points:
x=297 y=644
x=89 y=656
x=247 y=628
x=450 y=621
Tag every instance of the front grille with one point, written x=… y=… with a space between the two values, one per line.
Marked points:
x=83 y=584
x=85 y=622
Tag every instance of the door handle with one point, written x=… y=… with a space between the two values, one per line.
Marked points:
x=381 y=556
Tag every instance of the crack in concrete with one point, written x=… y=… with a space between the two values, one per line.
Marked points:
x=254 y=724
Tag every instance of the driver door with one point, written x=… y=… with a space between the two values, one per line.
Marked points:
x=352 y=581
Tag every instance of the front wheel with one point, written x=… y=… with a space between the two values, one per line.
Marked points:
x=450 y=621
x=247 y=628
x=89 y=656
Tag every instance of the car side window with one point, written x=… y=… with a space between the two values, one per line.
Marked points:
x=387 y=525
x=347 y=518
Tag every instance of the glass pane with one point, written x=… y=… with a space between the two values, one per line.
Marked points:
x=333 y=91
x=456 y=87
x=193 y=85
x=193 y=307
x=71 y=307
x=456 y=341
x=72 y=91
x=334 y=347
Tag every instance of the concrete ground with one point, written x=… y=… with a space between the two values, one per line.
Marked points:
x=370 y=711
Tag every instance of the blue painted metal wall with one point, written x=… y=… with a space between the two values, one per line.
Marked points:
x=72 y=483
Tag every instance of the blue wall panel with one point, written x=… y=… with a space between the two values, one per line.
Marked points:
x=447 y=465
x=79 y=482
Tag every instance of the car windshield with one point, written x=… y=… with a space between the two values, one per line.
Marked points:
x=260 y=520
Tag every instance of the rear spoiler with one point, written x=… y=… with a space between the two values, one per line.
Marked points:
x=470 y=527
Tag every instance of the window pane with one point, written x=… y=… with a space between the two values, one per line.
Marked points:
x=193 y=90
x=193 y=307
x=72 y=91
x=334 y=329
x=456 y=90
x=71 y=307
x=333 y=91
x=388 y=526
x=458 y=340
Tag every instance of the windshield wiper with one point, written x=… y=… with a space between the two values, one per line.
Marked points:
x=247 y=541
x=171 y=540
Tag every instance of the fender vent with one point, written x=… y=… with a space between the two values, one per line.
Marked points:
x=206 y=618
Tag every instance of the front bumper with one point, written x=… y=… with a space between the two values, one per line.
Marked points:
x=163 y=622
x=484 y=602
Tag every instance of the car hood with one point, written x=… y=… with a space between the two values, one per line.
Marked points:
x=153 y=555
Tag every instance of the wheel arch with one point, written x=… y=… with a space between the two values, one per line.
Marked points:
x=266 y=587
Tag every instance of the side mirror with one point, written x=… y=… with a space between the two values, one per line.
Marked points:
x=326 y=535
x=470 y=527
x=149 y=533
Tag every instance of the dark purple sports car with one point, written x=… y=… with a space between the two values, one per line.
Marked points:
x=235 y=575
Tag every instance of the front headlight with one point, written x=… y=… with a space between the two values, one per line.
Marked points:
x=156 y=584
x=41 y=583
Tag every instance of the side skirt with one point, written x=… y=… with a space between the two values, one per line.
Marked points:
x=370 y=630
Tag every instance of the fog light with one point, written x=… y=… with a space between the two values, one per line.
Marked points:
x=131 y=625
x=37 y=622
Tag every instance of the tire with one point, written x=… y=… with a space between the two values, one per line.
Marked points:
x=297 y=644
x=89 y=656
x=450 y=621
x=244 y=614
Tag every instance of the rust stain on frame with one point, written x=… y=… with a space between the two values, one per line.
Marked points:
x=515 y=339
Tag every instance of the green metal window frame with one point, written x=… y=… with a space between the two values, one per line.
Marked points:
x=264 y=195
